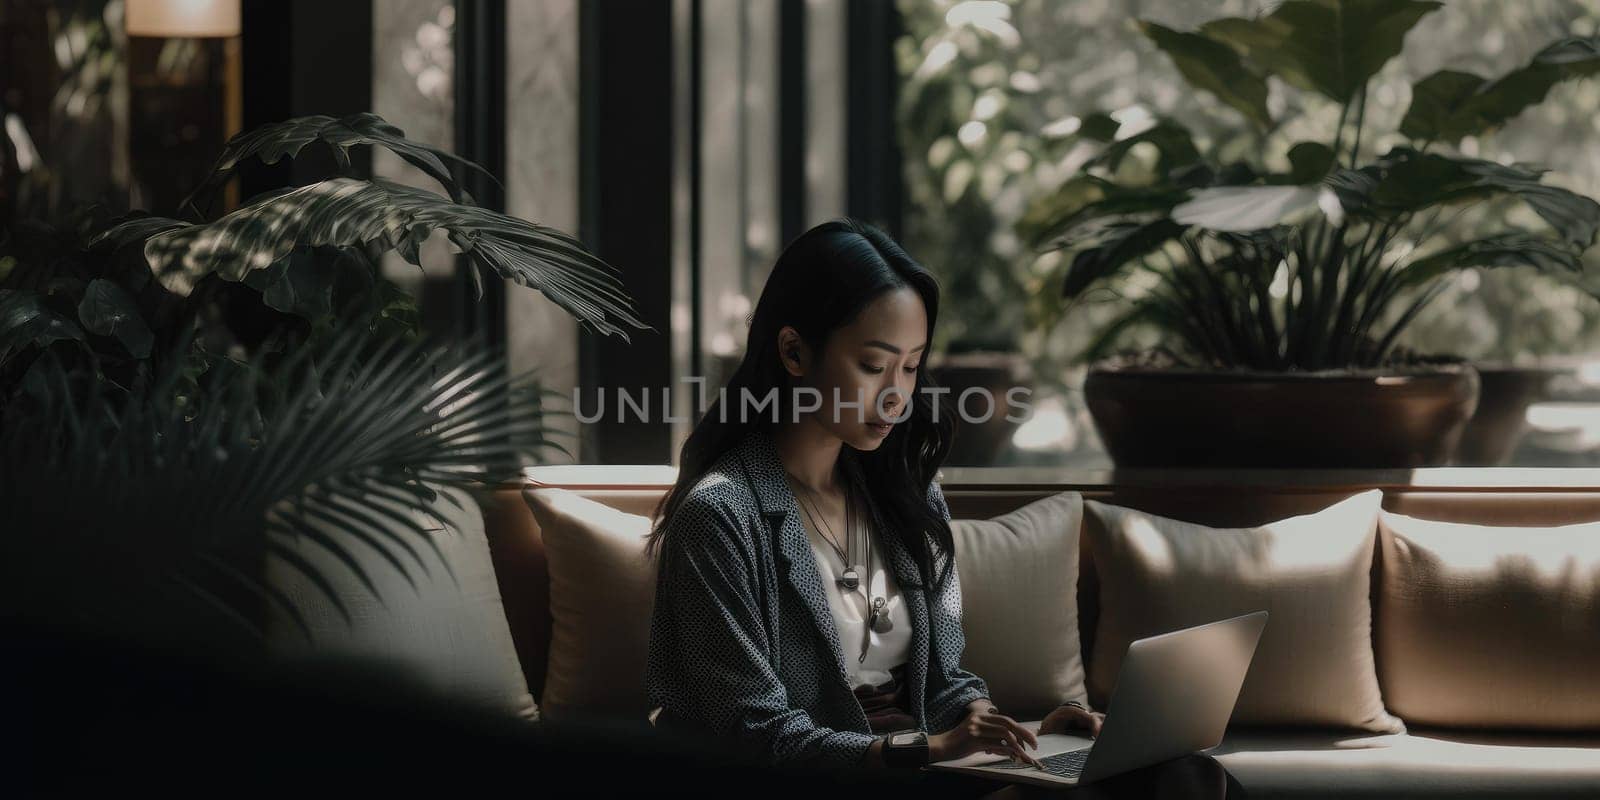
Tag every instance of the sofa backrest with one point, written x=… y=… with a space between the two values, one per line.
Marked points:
x=1491 y=497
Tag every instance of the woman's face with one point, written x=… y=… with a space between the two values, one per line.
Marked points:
x=869 y=359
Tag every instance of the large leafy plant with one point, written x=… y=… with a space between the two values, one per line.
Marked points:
x=112 y=295
x=1325 y=265
x=178 y=396
x=150 y=513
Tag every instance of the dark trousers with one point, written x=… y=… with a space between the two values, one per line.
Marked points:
x=954 y=785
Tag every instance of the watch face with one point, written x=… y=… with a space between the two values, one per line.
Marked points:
x=900 y=739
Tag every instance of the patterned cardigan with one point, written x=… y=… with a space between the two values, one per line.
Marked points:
x=743 y=648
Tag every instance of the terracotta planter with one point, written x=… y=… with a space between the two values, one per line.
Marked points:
x=1502 y=416
x=1194 y=418
x=982 y=443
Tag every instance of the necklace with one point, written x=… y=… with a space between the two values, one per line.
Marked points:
x=878 y=620
x=850 y=577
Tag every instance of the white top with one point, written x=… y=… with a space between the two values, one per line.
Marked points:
x=852 y=609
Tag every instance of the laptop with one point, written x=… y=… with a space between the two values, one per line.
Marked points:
x=1174 y=695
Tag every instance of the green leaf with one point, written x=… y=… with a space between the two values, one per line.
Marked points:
x=1353 y=187
x=134 y=228
x=1050 y=219
x=1246 y=208
x=396 y=306
x=1440 y=106
x=271 y=143
x=353 y=424
x=389 y=216
x=1172 y=141
x=109 y=311
x=1100 y=127
x=1410 y=180
x=1309 y=162
x=301 y=284
x=1101 y=346
x=1118 y=244
x=1328 y=46
x=1449 y=105
x=1216 y=68
x=25 y=320
x=1512 y=249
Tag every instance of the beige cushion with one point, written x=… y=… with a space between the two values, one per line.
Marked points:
x=1019 y=583
x=602 y=593
x=1311 y=573
x=449 y=632
x=1490 y=626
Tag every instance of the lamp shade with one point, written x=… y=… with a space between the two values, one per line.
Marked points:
x=182 y=18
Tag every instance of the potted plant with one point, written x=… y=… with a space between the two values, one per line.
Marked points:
x=982 y=373
x=1278 y=299
x=178 y=396
x=1522 y=330
x=967 y=133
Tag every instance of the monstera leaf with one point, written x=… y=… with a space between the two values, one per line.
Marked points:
x=386 y=215
x=270 y=143
x=1327 y=46
x=1449 y=105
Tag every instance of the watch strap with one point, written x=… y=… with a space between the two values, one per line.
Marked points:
x=906 y=755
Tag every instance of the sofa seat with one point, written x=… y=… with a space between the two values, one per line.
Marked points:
x=1420 y=763
x=1264 y=763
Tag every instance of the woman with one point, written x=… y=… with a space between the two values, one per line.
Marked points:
x=808 y=602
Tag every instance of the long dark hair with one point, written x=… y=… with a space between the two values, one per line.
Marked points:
x=821 y=282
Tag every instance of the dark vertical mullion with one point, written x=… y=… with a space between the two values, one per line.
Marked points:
x=589 y=230
x=875 y=190
x=300 y=58
x=742 y=182
x=696 y=186
x=625 y=204
x=791 y=119
x=480 y=136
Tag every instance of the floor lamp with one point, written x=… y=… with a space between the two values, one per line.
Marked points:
x=172 y=92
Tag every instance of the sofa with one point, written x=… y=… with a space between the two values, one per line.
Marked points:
x=1442 y=676
x=1471 y=756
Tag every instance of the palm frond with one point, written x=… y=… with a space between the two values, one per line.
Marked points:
x=343 y=444
x=273 y=142
x=389 y=216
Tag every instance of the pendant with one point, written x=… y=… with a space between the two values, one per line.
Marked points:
x=880 y=617
x=850 y=579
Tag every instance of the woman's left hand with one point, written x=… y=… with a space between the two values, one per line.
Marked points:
x=1066 y=719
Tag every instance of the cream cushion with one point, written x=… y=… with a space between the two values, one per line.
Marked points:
x=1314 y=665
x=602 y=593
x=1019 y=604
x=449 y=630
x=1481 y=626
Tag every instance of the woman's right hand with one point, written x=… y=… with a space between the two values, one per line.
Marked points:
x=983 y=731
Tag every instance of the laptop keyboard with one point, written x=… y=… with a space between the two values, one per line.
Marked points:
x=1065 y=765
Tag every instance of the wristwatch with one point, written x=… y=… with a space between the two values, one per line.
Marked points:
x=907 y=748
